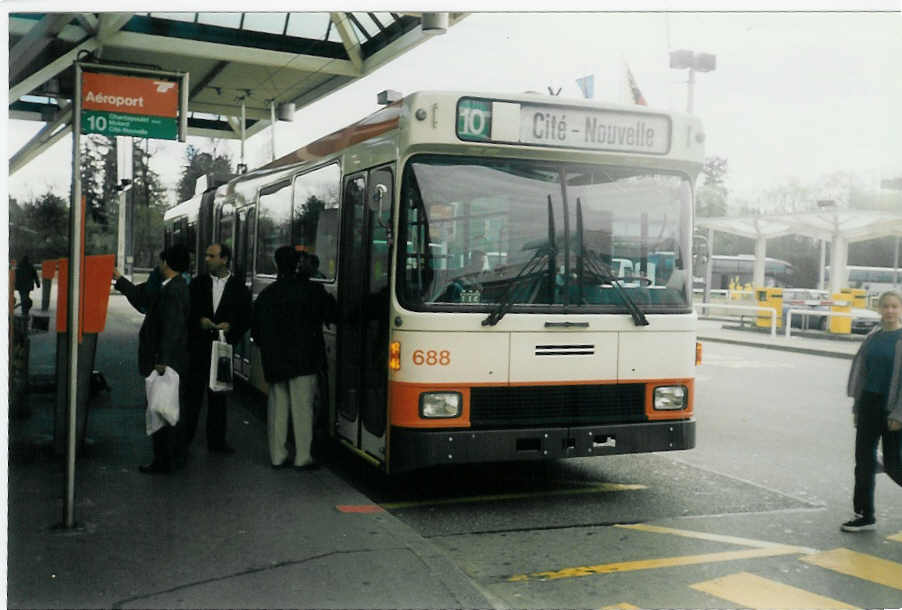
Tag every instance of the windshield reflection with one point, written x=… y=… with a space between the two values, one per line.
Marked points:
x=492 y=234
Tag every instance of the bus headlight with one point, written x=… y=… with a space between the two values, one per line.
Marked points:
x=440 y=404
x=671 y=397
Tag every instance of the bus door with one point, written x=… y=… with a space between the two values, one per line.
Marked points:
x=363 y=311
x=243 y=269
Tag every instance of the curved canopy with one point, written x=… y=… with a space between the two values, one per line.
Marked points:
x=259 y=59
x=852 y=225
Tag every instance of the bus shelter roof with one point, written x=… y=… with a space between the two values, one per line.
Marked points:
x=258 y=58
x=852 y=225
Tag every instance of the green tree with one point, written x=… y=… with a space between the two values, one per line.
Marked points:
x=150 y=202
x=40 y=228
x=711 y=196
x=218 y=167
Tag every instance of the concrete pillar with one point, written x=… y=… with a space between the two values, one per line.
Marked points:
x=839 y=272
x=760 y=260
x=821 y=263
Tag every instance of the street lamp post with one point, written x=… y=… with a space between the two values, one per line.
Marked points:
x=696 y=62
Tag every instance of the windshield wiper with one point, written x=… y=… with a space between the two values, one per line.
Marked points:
x=602 y=272
x=548 y=251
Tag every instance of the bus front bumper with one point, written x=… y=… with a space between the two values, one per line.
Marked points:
x=413 y=448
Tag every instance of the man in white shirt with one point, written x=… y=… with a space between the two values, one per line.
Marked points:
x=219 y=302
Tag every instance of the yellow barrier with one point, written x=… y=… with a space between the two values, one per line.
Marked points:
x=842 y=303
x=769 y=297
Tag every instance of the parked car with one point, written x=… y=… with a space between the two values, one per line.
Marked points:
x=863 y=320
x=805 y=298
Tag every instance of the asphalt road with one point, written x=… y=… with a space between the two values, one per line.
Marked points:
x=750 y=517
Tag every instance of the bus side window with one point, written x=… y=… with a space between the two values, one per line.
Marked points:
x=273 y=225
x=315 y=218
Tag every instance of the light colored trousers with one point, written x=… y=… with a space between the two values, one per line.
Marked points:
x=296 y=394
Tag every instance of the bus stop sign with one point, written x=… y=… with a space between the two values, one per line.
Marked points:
x=121 y=105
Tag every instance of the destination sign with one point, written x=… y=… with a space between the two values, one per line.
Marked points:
x=566 y=127
x=120 y=105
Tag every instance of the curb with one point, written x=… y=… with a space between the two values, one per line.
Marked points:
x=784 y=348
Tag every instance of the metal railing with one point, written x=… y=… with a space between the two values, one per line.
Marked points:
x=812 y=312
x=773 y=312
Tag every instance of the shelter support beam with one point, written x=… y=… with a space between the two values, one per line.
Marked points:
x=340 y=21
x=32 y=44
x=44 y=139
x=760 y=262
x=839 y=271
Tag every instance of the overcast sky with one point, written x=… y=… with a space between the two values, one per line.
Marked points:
x=794 y=94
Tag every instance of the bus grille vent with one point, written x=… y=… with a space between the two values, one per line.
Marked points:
x=566 y=405
x=565 y=350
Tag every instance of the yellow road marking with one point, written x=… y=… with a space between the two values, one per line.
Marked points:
x=763 y=544
x=603 y=487
x=897 y=537
x=866 y=567
x=750 y=591
x=651 y=564
x=620 y=606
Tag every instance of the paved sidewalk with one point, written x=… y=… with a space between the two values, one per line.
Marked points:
x=225 y=532
x=805 y=342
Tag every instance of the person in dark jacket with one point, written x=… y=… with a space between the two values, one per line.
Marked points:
x=287 y=326
x=26 y=279
x=875 y=382
x=219 y=302
x=163 y=338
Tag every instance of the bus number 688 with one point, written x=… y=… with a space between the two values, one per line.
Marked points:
x=432 y=357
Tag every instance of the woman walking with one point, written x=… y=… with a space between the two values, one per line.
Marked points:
x=875 y=382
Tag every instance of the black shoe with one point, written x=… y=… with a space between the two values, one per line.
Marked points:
x=155 y=468
x=281 y=466
x=859 y=524
x=307 y=467
x=223 y=449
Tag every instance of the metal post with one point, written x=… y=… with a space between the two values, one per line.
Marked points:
x=74 y=299
x=243 y=121
x=822 y=264
x=272 y=120
x=689 y=99
x=708 y=266
x=896 y=264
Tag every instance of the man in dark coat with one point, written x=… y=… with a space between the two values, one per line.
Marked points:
x=163 y=338
x=288 y=328
x=26 y=279
x=219 y=301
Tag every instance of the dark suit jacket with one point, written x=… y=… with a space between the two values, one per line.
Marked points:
x=234 y=308
x=288 y=327
x=163 y=338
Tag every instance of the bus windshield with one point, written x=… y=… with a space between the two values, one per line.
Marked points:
x=533 y=235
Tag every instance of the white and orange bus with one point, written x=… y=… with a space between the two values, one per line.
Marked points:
x=477 y=245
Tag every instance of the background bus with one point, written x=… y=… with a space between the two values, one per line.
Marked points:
x=501 y=330
x=875 y=280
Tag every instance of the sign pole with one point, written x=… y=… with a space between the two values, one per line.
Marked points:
x=76 y=225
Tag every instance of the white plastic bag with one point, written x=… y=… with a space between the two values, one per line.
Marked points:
x=221 y=365
x=162 y=399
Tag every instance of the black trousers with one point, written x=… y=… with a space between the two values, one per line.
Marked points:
x=166 y=439
x=198 y=388
x=871 y=428
x=25 y=300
